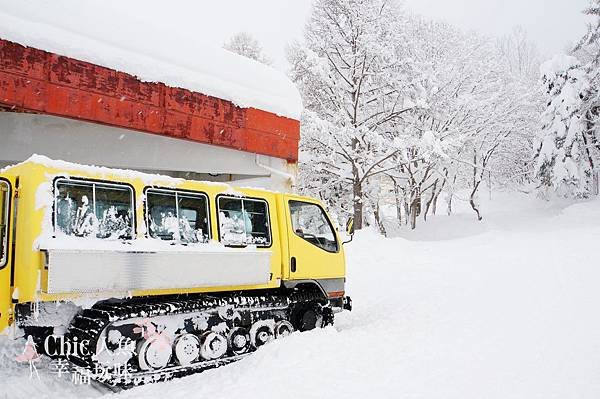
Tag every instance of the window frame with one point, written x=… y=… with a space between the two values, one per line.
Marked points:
x=175 y=191
x=242 y=198
x=6 y=210
x=335 y=236
x=93 y=183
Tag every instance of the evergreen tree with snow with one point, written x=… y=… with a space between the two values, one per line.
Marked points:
x=588 y=50
x=589 y=45
x=563 y=162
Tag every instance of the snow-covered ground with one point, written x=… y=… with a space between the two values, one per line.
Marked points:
x=506 y=308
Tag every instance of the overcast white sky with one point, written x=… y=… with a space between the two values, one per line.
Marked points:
x=552 y=24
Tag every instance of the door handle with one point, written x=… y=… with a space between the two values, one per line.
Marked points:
x=293 y=264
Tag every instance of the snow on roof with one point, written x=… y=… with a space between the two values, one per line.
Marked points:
x=96 y=32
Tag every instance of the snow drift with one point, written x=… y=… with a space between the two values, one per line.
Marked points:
x=508 y=310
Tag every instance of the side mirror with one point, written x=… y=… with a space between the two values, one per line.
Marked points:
x=349 y=229
x=350 y=226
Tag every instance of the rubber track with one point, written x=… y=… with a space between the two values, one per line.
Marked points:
x=89 y=324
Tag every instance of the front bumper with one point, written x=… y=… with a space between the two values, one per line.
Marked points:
x=347 y=303
x=340 y=304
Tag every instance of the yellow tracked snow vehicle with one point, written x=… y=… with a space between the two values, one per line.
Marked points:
x=138 y=278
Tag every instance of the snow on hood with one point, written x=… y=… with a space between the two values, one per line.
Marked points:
x=97 y=32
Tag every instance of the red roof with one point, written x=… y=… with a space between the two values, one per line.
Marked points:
x=37 y=81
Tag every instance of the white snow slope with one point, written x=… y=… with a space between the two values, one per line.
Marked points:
x=503 y=309
x=99 y=33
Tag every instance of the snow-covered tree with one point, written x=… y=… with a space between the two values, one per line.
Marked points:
x=479 y=119
x=564 y=162
x=245 y=44
x=588 y=47
x=519 y=53
x=356 y=81
x=401 y=110
x=506 y=112
x=588 y=50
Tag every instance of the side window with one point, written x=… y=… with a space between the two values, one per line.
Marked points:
x=177 y=216
x=244 y=221
x=90 y=209
x=310 y=222
x=4 y=216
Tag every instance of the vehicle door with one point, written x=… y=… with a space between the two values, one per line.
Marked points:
x=7 y=185
x=314 y=248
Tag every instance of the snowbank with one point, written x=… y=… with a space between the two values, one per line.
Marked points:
x=177 y=59
x=505 y=312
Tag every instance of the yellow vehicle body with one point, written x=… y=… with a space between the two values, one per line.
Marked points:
x=28 y=203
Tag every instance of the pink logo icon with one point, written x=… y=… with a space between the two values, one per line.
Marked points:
x=148 y=331
x=29 y=355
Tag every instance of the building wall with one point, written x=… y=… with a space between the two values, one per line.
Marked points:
x=22 y=135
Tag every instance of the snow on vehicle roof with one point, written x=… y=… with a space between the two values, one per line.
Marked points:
x=99 y=170
x=147 y=178
x=176 y=59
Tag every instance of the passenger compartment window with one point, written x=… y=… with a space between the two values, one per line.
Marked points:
x=244 y=221
x=177 y=216
x=310 y=222
x=90 y=209
x=4 y=216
